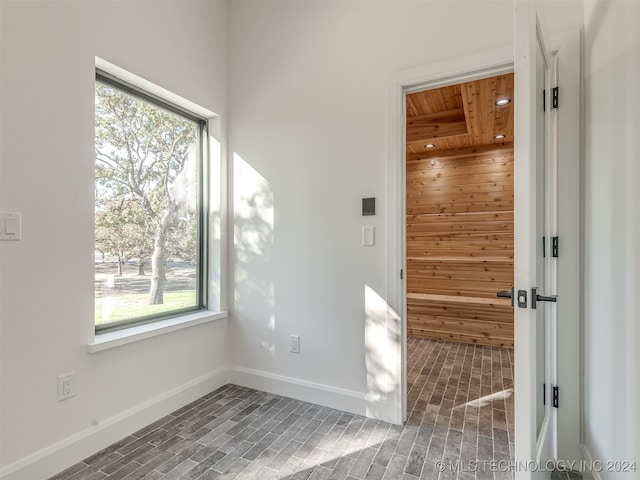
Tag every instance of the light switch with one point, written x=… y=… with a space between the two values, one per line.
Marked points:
x=10 y=226
x=368 y=236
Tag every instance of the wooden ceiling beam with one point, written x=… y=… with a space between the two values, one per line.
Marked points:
x=465 y=106
x=436 y=130
x=438 y=117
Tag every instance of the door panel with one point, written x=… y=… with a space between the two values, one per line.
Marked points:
x=533 y=337
x=541 y=234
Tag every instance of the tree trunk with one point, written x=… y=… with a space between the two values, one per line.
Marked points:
x=141 y=268
x=120 y=266
x=156 y=295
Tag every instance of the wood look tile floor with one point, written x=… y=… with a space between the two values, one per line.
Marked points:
x=460 y=405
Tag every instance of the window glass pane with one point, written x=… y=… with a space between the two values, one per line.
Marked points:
x=148 y=255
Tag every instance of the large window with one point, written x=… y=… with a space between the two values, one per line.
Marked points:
x=150 y=222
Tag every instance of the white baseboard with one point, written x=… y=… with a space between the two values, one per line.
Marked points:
x=63 y=454
x=588 y=458
x=55 y=458
x=321 y=394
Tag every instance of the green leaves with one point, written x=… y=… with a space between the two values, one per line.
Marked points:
x=146 y=179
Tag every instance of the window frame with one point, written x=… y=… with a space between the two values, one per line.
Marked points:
x=202 y=202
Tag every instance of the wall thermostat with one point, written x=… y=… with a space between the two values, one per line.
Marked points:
x=368 y=206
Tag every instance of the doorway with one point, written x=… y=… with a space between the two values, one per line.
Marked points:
x=465 y=69
x=459 y=207
x=459 y=211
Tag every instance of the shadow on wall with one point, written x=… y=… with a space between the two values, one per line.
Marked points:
x=383 y=344
x=253 y=282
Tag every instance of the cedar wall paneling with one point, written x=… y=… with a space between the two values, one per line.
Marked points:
x=460 y=245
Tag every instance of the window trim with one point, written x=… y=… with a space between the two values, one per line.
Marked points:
x=136 y=91
x=125 y=336
x=202 y=281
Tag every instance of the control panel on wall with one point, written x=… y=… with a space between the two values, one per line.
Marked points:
x=368 y=232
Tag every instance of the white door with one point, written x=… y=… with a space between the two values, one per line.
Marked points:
x=535 y=193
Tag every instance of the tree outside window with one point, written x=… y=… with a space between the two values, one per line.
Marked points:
x=148 y=210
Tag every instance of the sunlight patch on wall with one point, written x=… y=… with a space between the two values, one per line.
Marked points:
x=382 y=345
x=253 y=269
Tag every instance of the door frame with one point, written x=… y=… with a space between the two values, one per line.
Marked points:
x=569 y=175
x=488 y=63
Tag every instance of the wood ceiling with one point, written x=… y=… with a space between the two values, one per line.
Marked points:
x=459 y=116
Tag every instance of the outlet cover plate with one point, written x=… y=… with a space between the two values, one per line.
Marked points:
x=66 y=386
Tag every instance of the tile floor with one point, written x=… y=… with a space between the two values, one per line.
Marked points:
x=460 y=411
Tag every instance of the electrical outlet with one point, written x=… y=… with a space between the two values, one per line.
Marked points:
x=294 y=343
x=66 y=386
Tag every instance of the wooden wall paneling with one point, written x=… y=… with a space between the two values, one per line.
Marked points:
x=460 y=217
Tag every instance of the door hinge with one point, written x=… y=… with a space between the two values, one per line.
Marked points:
x=544 y=247
x=544 y=100
x=554 y=247
x=401 y=274
x=555 y=396
x=554 y=97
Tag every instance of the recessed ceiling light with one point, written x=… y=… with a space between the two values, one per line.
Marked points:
x=430 y=145
x=503 y=101
x=500 y=136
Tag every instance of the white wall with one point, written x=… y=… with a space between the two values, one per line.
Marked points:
x=46 y=288
x=308 y=113
x=612 y=208
x=308 y=85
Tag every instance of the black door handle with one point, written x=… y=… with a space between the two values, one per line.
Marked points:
x=506 y=294
x=535 y=298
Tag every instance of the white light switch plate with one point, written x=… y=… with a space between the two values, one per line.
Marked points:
x=10 y=226
x=368 y=236
x=294 y=343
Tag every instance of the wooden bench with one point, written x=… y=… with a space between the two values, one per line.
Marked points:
x=486 y=321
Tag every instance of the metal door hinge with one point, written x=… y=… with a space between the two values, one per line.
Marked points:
x=554 y=247
x=401 y=274
x=555 y=396
x=554 y=97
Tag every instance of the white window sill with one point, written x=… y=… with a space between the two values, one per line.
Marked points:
x=105 y=341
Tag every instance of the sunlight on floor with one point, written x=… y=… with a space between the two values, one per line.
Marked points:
x=487 y=399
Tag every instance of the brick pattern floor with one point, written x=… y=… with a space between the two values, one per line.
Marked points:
x=460 y=411
x=462 y=395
